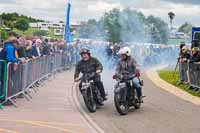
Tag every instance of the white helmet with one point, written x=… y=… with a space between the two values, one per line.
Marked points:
x=126 y=51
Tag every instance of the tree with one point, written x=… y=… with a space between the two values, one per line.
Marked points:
x=112 y=25
x=171 y=17
x=3 y=34
x=186 y=28
x=22 y=24
x=157 y=30
x=126 y=26
x=10 y=19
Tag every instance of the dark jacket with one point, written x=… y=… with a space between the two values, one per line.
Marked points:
x=46 y=50
x=22 y=52
x=186 y=56
x=29 y=53
x=87 y=67
x=195 y=58
x=10 y=51
x=35 y=52
x=128 y=66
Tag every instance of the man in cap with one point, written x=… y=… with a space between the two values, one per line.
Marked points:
x=90 y=65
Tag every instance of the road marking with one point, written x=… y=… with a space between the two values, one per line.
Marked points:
x=8 y=131
x=44 y=124
x=48 y=123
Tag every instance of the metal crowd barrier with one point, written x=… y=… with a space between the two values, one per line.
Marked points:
x=3 y=78
x=190 y=73
x=16 y=79
x=194 y=75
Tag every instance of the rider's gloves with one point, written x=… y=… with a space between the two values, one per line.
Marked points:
x=98 y=71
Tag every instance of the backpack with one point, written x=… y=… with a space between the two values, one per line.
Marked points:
x=3 y=54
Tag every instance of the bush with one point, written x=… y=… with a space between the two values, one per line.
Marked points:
x=3 y=34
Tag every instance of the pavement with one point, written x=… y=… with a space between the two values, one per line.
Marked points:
x=52 y=110
x=162 y=112
x=59 y=108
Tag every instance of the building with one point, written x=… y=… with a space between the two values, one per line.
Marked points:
x=58 y=27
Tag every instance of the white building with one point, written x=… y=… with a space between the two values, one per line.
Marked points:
x=58 y=27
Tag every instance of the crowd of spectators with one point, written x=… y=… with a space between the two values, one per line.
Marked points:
x=19 y=49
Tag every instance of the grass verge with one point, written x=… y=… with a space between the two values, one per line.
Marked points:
x=167 y=75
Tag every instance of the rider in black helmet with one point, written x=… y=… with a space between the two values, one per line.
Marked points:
x=89 y=65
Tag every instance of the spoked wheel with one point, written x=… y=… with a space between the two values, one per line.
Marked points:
x=122 y=107
x=89 y=102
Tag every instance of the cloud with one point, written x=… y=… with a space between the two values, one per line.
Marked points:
x=185 y=10
x=191 y=2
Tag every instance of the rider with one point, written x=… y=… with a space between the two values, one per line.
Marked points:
x=128 y=64
x=89 y=65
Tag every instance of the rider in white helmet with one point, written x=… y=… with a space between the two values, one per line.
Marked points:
x=129 y=64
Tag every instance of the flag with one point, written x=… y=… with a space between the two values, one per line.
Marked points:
x=68 y=36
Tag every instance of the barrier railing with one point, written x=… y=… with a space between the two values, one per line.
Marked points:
x=3 y=77
x=190 y=73
x=17 y=79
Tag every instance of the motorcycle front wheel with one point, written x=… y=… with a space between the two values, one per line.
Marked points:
x=89 y=102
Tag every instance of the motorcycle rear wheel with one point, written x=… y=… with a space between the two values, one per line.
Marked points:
x=119 y=104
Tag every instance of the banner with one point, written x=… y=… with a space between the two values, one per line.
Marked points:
x=68 y=36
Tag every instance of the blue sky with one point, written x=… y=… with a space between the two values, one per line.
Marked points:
x=185 y=10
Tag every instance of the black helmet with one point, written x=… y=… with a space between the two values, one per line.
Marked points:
x=85 y=50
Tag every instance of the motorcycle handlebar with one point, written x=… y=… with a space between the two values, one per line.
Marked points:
x=123 y=77
x=87 y=76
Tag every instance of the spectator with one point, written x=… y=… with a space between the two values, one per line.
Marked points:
x=37 y=48
x=183 y=58
x=195 y=55
x=184 y=55
x=46 y=49
x=11 y=51
x=29 y=51
x=22 y=49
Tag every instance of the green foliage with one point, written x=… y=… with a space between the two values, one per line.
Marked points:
x=92 y=29
x=40 y=33
x=186 y=28
x=126 y=26
x=15 y=16
x=167 y=75
x=3 y=34
x=157 y=30
x=22 y=24
x=11 y=18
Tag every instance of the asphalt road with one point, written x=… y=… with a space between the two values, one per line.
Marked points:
x=162 y=112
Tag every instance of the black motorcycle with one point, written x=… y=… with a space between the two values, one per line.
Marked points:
x=91 y=94
x=125 y=93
